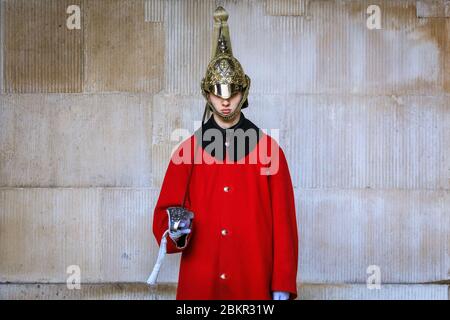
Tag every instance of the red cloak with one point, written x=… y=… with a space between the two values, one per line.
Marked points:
x=244 y=241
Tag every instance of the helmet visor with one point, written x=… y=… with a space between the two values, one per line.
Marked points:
x=224 y=90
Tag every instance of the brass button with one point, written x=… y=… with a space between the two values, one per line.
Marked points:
x=226 y=189
x=224 y=232
x=223 y=276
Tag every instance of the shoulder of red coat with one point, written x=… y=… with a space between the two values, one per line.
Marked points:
x=269 y=144
x=184 y=149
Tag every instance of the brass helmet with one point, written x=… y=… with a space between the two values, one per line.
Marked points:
x=224 y=74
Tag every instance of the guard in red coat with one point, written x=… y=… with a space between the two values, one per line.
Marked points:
x=242 y=242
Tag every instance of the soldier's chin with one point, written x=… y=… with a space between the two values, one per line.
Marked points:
x=229 y=119
x=221 y=113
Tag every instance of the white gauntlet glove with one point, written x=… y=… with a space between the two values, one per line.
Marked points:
x=280 y=295
x=177 y=234
x=183 y=227
x=179 y=226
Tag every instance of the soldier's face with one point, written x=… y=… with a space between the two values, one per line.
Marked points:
x=225 y=106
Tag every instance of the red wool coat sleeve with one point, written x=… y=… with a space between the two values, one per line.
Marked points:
x=171 y=194
x=285 y=243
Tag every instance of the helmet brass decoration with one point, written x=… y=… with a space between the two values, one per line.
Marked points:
x=224 y=74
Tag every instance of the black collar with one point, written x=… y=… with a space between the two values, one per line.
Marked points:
x=228 y=136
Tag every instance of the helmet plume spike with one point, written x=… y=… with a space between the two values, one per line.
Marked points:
x=221 y=34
